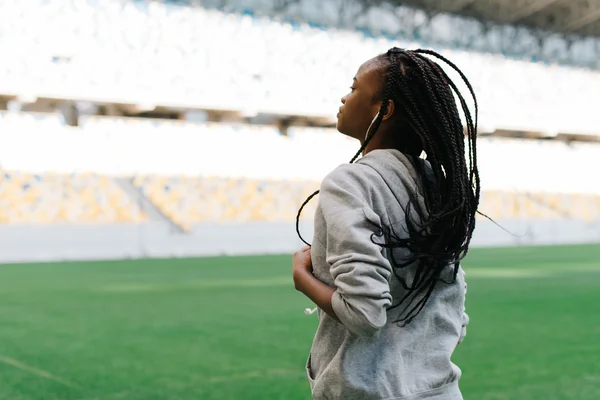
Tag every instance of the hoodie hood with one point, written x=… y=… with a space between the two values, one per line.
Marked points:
x=400 y=171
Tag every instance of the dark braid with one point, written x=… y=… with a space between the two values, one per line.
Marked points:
x=438 y=236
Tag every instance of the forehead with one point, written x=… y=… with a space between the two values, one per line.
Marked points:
x=370 y=72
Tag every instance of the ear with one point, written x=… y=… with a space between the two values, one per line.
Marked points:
x=390 y=110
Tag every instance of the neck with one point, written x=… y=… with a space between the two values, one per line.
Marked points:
x=382 y=140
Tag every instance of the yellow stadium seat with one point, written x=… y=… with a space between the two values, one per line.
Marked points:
x=192 y=199
x=52 y=198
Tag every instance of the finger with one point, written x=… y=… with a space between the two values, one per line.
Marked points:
x=306 y=248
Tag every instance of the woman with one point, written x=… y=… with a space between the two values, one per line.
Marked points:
x=390 y=231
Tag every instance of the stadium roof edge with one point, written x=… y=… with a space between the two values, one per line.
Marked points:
x=565 y=17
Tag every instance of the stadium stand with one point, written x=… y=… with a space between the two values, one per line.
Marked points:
x=204 y=172
x=27 y=198
x=531 y=206
x=191 y=200
x=165 y=54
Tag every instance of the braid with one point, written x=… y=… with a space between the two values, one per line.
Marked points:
x=439 y=236
x=436 y=236
x=471 y=132
x=308 y=199
x=471 y=127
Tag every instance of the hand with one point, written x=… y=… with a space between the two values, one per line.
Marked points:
x=301 y=266
x=307 y=283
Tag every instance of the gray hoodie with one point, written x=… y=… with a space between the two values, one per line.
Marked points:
x=368 y=356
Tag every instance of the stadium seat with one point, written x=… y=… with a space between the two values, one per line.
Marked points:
x=27 y=198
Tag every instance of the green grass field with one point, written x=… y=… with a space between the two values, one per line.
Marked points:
x=233 y=328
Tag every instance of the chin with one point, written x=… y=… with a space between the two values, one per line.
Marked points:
x=340 y=127
x=344 y=132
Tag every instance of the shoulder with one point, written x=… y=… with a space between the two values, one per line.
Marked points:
x=350 y=184
x=351 y=176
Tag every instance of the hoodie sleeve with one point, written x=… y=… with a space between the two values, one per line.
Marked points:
x=357 y=265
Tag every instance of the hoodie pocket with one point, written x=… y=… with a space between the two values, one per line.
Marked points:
x=309 y=374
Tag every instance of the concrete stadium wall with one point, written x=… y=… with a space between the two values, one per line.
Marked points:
x=158 y=240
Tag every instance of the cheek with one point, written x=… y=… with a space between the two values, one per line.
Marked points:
x=352 y=107
x=357 y=112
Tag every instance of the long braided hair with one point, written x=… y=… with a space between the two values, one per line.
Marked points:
x=439 y=237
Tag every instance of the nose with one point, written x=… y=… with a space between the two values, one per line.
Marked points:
x=344 y=99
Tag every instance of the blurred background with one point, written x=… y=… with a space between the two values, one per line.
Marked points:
x=153 y=156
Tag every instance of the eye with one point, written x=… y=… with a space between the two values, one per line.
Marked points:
x=352 y=88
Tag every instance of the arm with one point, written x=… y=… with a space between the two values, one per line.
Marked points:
x=361 y=274
x=358 y=267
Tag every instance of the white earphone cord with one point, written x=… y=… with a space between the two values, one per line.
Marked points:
x=371 y=125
